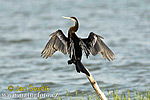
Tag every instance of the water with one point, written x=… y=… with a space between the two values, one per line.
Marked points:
x=25 y=26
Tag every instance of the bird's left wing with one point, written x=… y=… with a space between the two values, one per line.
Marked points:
x=58 y=41
x=94 y=45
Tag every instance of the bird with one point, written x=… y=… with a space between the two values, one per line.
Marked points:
x=74 y=45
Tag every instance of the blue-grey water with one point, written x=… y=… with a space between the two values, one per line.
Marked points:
x=26 y=24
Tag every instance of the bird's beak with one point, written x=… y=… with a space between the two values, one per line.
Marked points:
x=69 y=18
x=66 y=17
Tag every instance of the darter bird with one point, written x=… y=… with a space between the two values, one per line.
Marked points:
x=73 y=45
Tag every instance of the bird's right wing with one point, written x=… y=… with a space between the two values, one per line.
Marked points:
x=95 y=45
x=58 y=41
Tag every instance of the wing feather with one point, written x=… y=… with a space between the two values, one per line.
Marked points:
x=96 y=46
x=58 y=41
x=84 y=47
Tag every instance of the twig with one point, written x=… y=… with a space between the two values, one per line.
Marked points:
x=95 y=86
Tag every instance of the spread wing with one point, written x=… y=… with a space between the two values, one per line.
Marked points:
x=58 y=41
x=95 y=45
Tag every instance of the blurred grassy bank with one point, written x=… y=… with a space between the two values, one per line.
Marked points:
x=111 y=95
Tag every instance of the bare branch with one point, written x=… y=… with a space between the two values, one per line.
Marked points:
x=95 y=86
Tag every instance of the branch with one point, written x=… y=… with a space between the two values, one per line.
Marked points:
x=95 y=86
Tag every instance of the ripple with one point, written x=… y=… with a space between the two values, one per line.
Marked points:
x=129 y=65
x=6 y=41
x=95 y=68
x=46 y=83
x=20 y=41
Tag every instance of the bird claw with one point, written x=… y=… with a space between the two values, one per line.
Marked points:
x=71 y=61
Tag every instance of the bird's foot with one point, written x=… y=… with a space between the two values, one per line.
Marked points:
x=71 y=61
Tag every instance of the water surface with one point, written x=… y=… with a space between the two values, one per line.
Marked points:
x=26 y=24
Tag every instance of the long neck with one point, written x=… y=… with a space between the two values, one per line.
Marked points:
x=73 y=29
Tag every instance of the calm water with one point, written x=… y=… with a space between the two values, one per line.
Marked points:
x=26 y=24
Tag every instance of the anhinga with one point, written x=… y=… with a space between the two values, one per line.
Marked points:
x=73 y=45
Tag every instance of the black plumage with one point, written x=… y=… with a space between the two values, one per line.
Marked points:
x=73 y=45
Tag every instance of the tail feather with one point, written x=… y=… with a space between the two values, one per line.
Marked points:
x=80 y=67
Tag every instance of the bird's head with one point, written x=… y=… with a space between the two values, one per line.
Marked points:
x=71 y=18
x=72 y=28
